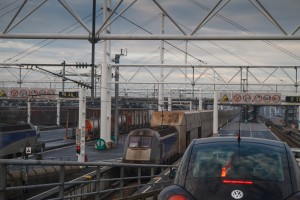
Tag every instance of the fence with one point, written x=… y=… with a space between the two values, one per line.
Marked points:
x=79 y=180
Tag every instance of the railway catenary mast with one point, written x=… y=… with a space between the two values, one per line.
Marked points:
x=93 y=41
x=161 y=85
x=104 y=90
x=106 y=73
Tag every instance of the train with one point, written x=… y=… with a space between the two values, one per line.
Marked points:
x=16 y=135
x=16 y=139
x=125 y=123
x=169 y=135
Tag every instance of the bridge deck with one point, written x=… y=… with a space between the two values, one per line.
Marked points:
x=247 y=129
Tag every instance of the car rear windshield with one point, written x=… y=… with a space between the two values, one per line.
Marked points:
x=140 y=141
x=244 y=161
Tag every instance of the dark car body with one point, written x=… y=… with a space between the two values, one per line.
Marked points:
x=230 y=168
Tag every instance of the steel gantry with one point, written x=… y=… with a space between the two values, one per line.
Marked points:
x=199 y=75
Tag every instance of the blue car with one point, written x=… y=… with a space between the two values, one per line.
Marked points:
x=235 y=168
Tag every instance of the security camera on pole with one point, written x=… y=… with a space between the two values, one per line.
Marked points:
x=80 y=133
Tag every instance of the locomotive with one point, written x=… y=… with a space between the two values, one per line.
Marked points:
x=14 y=138
x=157 y=145
x=169 y=135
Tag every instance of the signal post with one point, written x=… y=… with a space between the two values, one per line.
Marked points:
x=80 y=132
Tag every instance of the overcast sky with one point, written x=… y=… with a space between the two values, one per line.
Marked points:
x=238 y=17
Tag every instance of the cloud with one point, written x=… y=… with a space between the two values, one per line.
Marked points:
x=236 y=18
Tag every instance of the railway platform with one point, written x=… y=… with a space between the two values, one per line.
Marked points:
x=57 y=147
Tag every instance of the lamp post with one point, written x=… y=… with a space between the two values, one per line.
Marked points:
x=117 y=61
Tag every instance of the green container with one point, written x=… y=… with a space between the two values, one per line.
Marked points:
x=100 y=144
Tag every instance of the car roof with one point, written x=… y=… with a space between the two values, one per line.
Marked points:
x=242 y=140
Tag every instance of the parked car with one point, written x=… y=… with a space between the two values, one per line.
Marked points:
x=230 y=168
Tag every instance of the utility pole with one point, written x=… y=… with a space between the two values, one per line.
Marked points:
x=93 y=41
x=63 y=77
x=117 y=61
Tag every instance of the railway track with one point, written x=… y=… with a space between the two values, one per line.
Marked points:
x=284 y=136
x=290 y=137
x=138 y=187
x=130 y=188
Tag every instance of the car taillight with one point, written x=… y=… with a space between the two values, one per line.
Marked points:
x=224 y=172
x=177 y=197
x=239 y=182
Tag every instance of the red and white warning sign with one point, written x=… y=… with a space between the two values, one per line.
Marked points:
x=15 y=92
x=276 y=98
x=24 y=92
x=267 y=98
x=34 y=92
x=255 y=98
x=247 y=98
x=237 y=98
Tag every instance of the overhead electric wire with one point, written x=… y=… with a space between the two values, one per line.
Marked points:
x=8 y=12
x=132 y=31
x=205 y=8
x=138 y=26
x=51 y=41
x=229 y=21
x=8 y=5
x=246 y=61
x=218 y=47
x=246 y=30
x=144 y=29
x=210 y=75
x=192 y=43
x=164 y=40
x=250 y=32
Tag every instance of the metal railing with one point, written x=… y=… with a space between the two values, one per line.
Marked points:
x=26 y=177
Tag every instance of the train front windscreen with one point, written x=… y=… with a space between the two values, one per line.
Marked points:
x=140 y=141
